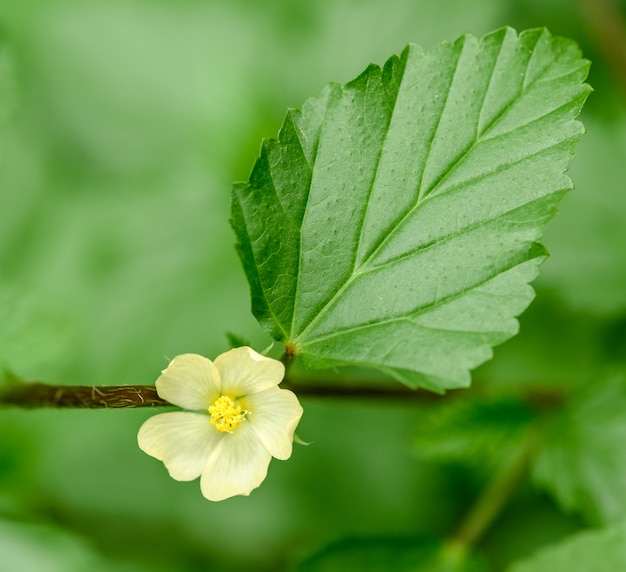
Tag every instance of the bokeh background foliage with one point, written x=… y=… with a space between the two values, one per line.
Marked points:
x=122 y=125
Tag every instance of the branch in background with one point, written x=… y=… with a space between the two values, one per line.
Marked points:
x=605 y=22
x=37 y=395
x=357 y=390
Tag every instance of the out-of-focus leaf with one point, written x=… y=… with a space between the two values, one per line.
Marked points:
x=472 y=432
x=26 y=547
x=236 y=341
x=8 y=83
x=542 y=355
x=32 y=547
x=394 y=222
x=596 y=551
x=33 y=332
x=582 y=459
x=588 y=263
x=385 y=554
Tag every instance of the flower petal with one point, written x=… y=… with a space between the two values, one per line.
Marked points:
x=237 y=467
x=190 y=381
x=244 y=371
x=274 y=416
x=182 y=440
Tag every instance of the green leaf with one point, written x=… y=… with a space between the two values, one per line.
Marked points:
x=8 y=84
x=582 y=459
x=597 y=551
x=25 y=546
x=8 y=378
x=475 y=433
x=236 y=341
x=380 y=554
x=393 y=224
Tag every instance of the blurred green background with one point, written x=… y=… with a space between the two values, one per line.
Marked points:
x=122 y=125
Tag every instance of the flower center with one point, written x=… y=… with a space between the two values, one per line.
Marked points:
x=226 y=414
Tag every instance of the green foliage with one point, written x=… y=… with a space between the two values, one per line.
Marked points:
x=597 y=551
x=122 y=125
x=26 y=547
x=393 y=224
x=8 y=84
x=474 y=432
x=590 y=233
x=384 y=554
x=236 y=341
x=8 y=378
x=582 y=459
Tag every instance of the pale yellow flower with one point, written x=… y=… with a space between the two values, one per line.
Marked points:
x=239 y=420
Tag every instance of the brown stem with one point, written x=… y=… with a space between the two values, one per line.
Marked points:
x=325 y=390
x=35 y=395
x=288 y=358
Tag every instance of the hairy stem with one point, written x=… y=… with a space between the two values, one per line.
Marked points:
x=35 y=395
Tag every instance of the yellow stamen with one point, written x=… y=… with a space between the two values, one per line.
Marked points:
x=226 y=414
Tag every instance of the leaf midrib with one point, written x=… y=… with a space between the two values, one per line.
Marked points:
x=425 y=196
x=414 y=314
x=374 y=176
